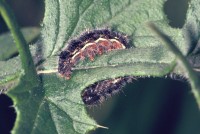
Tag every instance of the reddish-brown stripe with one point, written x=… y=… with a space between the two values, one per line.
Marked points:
x=88 y=45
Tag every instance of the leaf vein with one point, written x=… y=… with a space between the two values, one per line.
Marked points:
x=58 y=29
x=109 y=8
x=36 y=118
x=53 y=103
x=52 y=119
x=87 y=7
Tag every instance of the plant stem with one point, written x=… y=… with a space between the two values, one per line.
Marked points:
x=193 y=77
x=22 y=46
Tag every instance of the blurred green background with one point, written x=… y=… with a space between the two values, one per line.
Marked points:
x=147 y=106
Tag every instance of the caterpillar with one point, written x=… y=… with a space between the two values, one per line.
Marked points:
x=89 y=44
x=102 y=90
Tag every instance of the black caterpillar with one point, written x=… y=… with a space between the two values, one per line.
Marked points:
x=100 y=91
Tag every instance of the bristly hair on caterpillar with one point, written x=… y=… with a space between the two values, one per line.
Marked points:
x=89 y=44
x=100 y=91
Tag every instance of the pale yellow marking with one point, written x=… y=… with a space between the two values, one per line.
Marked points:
x=100 y=39
x=112 y=40
x=89 y=44
x=47 y=71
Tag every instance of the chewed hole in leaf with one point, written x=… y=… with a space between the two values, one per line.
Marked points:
x=8 y=114
x=173 y=6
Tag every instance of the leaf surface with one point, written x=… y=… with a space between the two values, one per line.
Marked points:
x=191 y=32
x=55 y=106
x=8 y=48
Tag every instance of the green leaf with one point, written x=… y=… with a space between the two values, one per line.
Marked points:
x=191 y=27
x=11 y=70
x=9 y=73
x=7 y=46
x=66 y=19
x=191 y=31
x=55 y=106
x=183 y=63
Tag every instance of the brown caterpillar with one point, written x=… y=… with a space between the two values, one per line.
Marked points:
x=89 y=44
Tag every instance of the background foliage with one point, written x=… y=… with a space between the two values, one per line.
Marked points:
x=149 y=109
